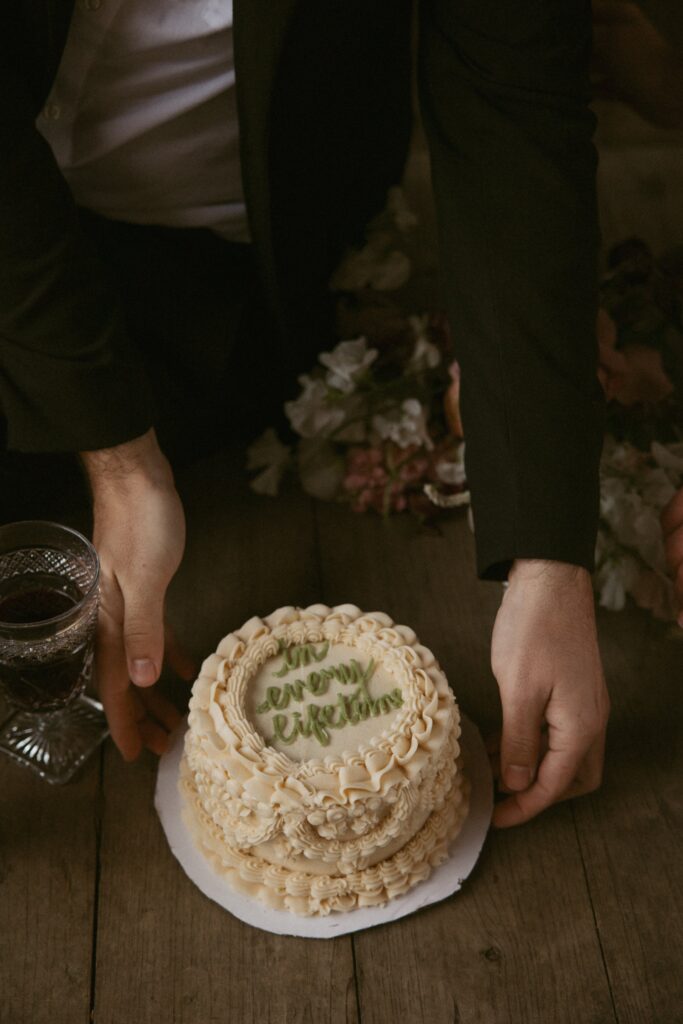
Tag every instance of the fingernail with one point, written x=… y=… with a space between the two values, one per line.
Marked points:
x=143 y=671
x=517 y=776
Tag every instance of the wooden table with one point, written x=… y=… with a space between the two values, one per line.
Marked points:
x=575 y=917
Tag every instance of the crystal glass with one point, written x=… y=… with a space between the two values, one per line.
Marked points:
x=49 y=592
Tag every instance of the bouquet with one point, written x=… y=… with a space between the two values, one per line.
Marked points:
x=377 y=422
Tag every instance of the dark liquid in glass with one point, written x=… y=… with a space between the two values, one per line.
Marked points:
x=48 y=683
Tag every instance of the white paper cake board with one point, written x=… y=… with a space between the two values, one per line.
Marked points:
x=444 y=880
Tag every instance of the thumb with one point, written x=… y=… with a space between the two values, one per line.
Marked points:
x=521 y=740
x=143 y=637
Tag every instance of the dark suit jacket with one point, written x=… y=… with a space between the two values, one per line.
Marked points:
x=323 y=92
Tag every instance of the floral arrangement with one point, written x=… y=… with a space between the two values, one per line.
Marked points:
x=635 y=486
x=377 y=422
x=640 y=334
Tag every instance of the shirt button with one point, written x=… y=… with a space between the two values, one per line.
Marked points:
x=52 y=111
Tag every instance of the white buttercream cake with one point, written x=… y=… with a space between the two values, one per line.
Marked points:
x=322 y=769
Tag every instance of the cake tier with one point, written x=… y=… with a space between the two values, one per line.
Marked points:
x=307 y=894
x=375 y=734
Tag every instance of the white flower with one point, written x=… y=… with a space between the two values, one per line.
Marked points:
x=398 y=209
x=269 y=454
x=448 y=500
x=632 y=495
x=346 y=363
x=452 y=472
x=669 y=458
x=381 y=264
x=634 y=523
x=356 y=411
x=617 y=571
x=390 y=272
x=656 y=488
x=634 y=487
x=425 y=354
x=378 y=265
x=612 y=591
x=321 y=469
x=404 y=426
x=311 y=414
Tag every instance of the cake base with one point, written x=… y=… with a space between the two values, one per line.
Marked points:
x=444 y=880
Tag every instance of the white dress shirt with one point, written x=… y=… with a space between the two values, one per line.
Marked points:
x=142 y=117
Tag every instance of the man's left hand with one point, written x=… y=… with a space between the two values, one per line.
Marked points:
x=546 y=660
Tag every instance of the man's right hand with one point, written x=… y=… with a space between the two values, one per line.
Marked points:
x=139 y=535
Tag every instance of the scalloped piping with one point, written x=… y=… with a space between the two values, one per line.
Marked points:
x=271 y=784
x=240 y=794
x=307 y=894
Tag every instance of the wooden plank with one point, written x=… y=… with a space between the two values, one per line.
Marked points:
x=183 y=958
x=245 y=554
x=519 y=942
x=631 y=831
x=48 y=857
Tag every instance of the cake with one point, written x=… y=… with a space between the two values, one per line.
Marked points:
x=321 y=769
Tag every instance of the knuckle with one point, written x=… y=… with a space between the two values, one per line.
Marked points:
x=510 y=665
x=547 y=792
x=138 y=634
x=147 y=580
x=590 y=725
x=516 y=691
x=582 y=737
x=498 y=667
x=520 y=749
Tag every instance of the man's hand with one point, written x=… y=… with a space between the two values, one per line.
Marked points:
x=672 y=531
x=139 y=534
x=545 y=657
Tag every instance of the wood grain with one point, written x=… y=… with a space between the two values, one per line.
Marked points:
x=575 y=917
x=48 y=858
x=519 y=942
x=183 y=958
x=631 y=831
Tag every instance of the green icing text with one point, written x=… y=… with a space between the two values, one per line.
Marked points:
x=300 y=656
x=318 y=719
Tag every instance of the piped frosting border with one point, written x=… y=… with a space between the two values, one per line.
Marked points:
x=241 y=793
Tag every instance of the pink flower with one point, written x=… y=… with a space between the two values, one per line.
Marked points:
x=362 y=460
x=384 y=479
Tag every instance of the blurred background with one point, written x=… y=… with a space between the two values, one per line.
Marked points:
x=640 y=174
